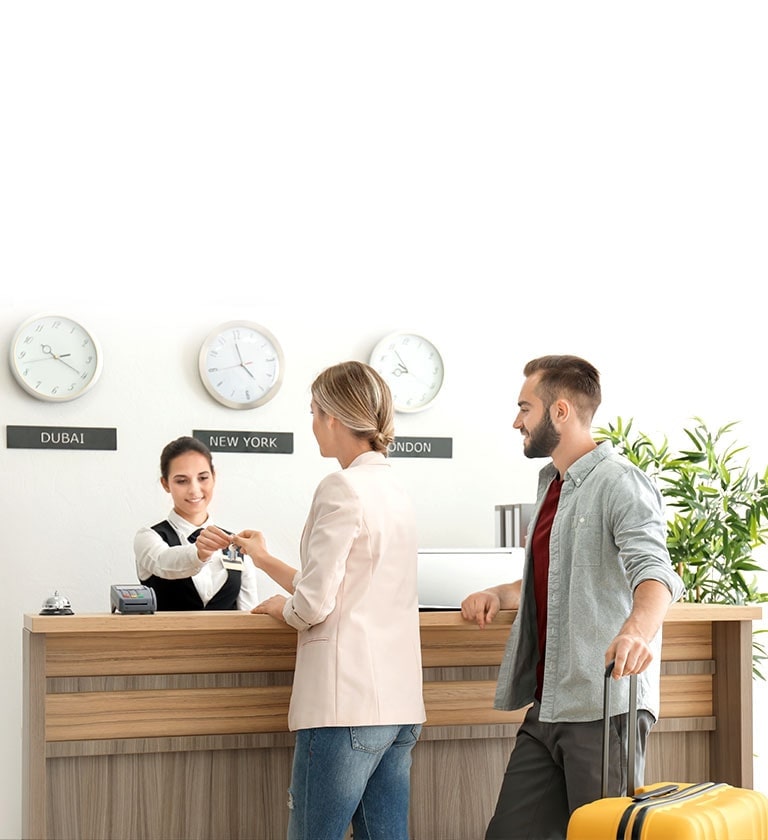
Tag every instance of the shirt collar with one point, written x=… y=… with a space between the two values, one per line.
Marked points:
x=581 y=468
x=182 y=527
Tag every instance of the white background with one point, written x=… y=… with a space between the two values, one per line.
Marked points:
x=509 y=179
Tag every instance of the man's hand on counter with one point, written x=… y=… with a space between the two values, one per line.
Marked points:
x=482 y=607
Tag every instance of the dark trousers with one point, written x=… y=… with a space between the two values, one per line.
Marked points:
x=556 y=767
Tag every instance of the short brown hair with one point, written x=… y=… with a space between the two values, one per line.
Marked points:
x=569 y=376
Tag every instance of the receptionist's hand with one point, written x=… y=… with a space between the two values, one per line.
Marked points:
x=211 y=539
x=272 y=606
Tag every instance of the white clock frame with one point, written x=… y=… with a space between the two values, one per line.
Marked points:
x=412 y=367
x=241 y=364
x=55 y=358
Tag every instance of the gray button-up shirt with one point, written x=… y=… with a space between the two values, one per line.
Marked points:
x=608 y=536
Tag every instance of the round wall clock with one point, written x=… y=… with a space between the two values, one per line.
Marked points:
x=241 y=364
x=55 y=358
x=412 y=367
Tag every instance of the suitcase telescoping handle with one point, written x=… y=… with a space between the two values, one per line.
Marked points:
x=631 y=730
x=631 y=740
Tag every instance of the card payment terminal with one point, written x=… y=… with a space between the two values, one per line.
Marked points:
x=133 y=598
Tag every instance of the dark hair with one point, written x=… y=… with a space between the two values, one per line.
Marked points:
x=179 y=447
x=356 y=395
x=569 y=376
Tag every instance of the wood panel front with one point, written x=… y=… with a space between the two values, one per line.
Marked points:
x=154 y=713
x=187 y=652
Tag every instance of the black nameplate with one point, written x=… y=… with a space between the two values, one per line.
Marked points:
x=261 y=442
x=421 y=447
x=59 y=437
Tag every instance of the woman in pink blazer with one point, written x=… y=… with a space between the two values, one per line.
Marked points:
x=357 y=704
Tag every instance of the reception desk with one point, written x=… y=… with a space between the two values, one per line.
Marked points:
x=173 y=726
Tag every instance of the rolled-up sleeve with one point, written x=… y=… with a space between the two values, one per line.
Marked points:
x=637 y=510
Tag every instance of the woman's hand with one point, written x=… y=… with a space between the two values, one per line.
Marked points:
x=272 y=606
x=253 y=544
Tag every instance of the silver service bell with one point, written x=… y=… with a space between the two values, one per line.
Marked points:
x=57 y=605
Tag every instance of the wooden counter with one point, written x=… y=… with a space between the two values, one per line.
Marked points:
x=174 y=725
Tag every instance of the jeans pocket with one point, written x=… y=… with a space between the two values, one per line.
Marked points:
x=373 y=739
x=408 y=735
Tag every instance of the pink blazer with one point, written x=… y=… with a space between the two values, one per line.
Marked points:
x=355 y=605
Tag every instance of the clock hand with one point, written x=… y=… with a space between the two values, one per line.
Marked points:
x=401 y=369
x=239 y=364
x=67 y=364
x=46 y=348
x=51 y=354
x=242 y=363
x=402 y=366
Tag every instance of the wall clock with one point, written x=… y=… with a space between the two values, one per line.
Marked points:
x=55 y=358
x=241 y=364
x=412 y=367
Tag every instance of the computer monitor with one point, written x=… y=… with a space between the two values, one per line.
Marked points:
x=447 y=575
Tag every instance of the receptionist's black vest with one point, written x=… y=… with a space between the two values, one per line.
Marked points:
x=181 y=594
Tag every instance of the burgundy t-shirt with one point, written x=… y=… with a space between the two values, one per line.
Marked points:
x=540 y=553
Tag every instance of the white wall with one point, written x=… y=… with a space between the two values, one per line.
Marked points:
x=509 y=179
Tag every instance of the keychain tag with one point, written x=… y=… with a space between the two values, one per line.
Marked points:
x=233 y=559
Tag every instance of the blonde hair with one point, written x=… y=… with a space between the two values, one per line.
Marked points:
x=356 y=395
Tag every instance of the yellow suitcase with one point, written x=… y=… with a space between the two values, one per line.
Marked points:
x=667 y=810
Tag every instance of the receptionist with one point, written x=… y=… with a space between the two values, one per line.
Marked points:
x=185 y=558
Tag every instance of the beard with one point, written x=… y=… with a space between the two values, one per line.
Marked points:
x=542 y=439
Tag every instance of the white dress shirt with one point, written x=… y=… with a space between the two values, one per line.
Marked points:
x=155 y=557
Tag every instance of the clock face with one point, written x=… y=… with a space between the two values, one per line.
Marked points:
x=241 y=364
x=55 y=358
x=412 y=367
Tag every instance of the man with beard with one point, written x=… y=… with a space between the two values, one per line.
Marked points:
x=596 y=586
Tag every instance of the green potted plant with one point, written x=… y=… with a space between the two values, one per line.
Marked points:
x=718 y=511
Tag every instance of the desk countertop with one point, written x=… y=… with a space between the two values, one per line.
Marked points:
x=234 y=620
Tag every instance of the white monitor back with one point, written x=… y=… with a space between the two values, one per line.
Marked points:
x=447 y=575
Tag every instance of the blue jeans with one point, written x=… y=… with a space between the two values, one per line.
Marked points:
x=351 y=774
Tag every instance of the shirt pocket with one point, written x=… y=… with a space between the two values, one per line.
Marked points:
x=585 y=536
